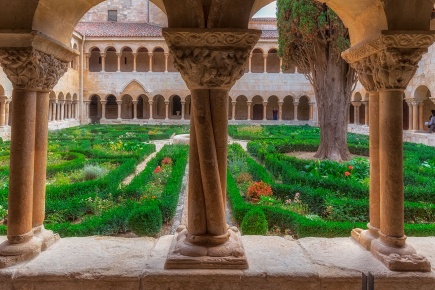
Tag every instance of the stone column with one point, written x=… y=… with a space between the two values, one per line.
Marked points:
x=366 y=112
x=280 y=65
x=386 y=65
x=103 y=110
x=54 y=110
x=166 y=61
x=119 y=110
x=249 y=110
x=150 y=54
x=2 y=110
x=119 y=61
x=264 y=111
x=233 y=110
x=356 y=106
x=166 y=110
x=421 y=117
x=208 y=242
x=33 y=75
x=135 y=110
x=410 y=114
x=62 y=110
x=265 y=62
x=250 y=63
x=134 y=61
x=296 y=104
x=103 y=62
x=69 y=109
x=76 y=109
x=151 y=110
x=7 y=108
x=280 y=110
x=87 y=112
x=415 y=115
x=183 y=107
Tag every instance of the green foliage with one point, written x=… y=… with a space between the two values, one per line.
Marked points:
x=254 y=223
x=91 y=172
x=146 y=220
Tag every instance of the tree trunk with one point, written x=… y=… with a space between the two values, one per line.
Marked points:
x=333 y=87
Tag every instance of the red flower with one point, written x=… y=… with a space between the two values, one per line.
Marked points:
x=347 y=173
x=158 y=169
x=167 y=160
x=350 y=167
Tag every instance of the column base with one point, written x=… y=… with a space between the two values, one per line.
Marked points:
x=47 y=237
x=365 y=237
x=185 y=255
x=12 y=254
x=400 y=258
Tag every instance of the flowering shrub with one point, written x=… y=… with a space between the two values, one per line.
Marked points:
x=258 y=189
x=347 y=173
x=158 y=169
x=167 y=161
x=244 y=177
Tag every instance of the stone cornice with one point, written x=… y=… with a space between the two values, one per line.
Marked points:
x=389 y=39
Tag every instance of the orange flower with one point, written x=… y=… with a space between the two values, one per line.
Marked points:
x=347 y=173
x=158 y=169
x=350 y=167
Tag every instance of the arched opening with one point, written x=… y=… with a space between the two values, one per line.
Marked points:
x=257 y=61
x=143 y=107
x=127 y=107
x=127 y=60
x=142 y=60
x=175 y=102
x=288 y=109
x=351 y=114
x=241 y=108
x=95 y=109
x=187 y=107
x=95 y=60
x=158 y=60
x=111 y=60
x=257 y=108
x=304 y=109
x=405 y=115
x=362 y=114
x=272 y=106
x=159 y=107
x=273 y=61
x=423 y=94
x=111 y=107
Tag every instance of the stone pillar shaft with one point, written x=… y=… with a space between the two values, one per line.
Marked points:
x=233 y=110
x=119 y=109
x=3 y=111
x=249 y=111
x=134 y=62
x=265 y=62
x=280 y=111
x=166 y=62
x=410 y=116
x=296 y=104
x=151 y=62
x=415 y=116
x=420 y=114
x=151 y=110
x=119 y=62
x=135 y=110
x=103 y=62
x=183 y=107
x=103 y=110
x=166 y=110
x=264 y=111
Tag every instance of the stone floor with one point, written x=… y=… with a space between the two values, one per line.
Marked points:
x=274 y=263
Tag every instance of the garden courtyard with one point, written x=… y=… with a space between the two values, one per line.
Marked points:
x=122 y=188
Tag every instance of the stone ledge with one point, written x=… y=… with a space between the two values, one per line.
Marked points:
x=275 y=263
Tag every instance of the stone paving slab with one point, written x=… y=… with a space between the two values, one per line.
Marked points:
x=274 y=263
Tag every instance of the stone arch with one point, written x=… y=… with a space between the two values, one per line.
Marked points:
x=127 y=107
x=75 y=97
x=273 y=61
x=357 y=97
x=288 y=108
x=134 y=88
x=257 y=61
x=111 y=60
x=304 y=109
x=142 y=60
x=95 y=60
x=61 y=96
x=52 y=95
x=158 y=59
x=257 y=108
x=127 y=59
x=159 y=107
x=241 y=108
x=175 y=107
x=143 y=107
x=423 y=94
x=272 y=104
x=94 y=108
x=68 y=97
x=111 y=107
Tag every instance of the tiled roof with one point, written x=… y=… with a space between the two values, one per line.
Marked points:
x=120 y=29
x=264 y=19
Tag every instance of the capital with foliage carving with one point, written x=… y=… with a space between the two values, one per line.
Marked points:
x=30 y=69
x=389 y=61
x=212 y=58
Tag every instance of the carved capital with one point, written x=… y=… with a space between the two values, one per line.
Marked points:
x=208 y=58
x=389 y=61
x=28 y=68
